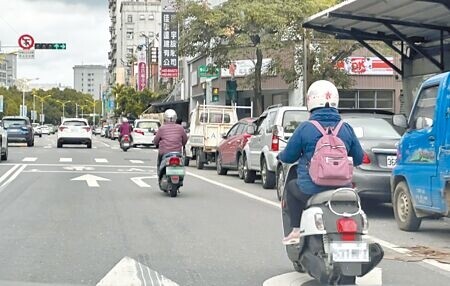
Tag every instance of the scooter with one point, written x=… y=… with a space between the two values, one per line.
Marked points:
x=331 y=247
x=171 y=173
x=125 y=143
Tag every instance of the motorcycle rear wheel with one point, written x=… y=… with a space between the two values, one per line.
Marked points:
x=173 y=191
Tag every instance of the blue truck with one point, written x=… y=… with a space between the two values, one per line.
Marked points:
x=420 y=181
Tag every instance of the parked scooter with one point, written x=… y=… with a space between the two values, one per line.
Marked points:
x=125 y=143
x=331 y=247
x=171 y=173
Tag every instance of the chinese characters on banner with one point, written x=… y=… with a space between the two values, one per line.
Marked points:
x=169 y=45
x=142 y=71
x=366 y=66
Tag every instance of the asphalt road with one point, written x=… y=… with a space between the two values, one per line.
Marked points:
x=59 y=228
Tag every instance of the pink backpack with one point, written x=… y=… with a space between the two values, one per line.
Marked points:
x=330 y=164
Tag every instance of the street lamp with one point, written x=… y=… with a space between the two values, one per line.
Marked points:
x=82 y=110
x=23 y=85
x=63 y=103
x=42 y=98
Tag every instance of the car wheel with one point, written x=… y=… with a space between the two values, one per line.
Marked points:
x=30 y=143
x=280 y=182
x=89 y=145
x=198 y=158
x=404 y=212
x=241 y=167
x=267 y=177
x=249 y=175
x=40 y=135
x=220 y=169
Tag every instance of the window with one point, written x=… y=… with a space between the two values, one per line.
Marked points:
x=426 y=105
x=148 y=125
x=372 y=128
x=130 y=18
x=292 y=118
x=233 y=130
x=130 y=35
x=151 y=16
x=261 y=125
x=74 y=123
x=151 y=34
x=271 y=121
x=130 y=51
x=242 y=128
x=142 y=17
x=370 y=99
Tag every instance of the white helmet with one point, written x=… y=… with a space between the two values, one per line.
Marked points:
x=124 y=119
x=320 y=93
x=170 y=115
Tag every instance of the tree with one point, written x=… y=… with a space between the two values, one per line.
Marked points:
x=264 y=26
x=132 y=103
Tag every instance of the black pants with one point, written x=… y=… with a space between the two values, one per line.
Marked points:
x=296 y=202
x=159 y=161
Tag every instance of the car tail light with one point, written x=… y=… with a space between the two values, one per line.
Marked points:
x=62 y=128
x=174 y=161
x=87 y=129
x=366 y=159
x=139 y=131
x=275 y=143
x=347 y=227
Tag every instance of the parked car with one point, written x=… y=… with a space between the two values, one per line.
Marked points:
x=51 y=128
x=45 y=129
x=115 y=132
x=37 y=129
x=74 y=131
x=97 y=130
x=231 y=148
x=19 y=129
x=3 y=144
x=144 y=132
x=260 y=153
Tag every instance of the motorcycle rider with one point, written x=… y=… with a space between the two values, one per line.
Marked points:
x=322 y=102
x=125 y=129
x=170 y=137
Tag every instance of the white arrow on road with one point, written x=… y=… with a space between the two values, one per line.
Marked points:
x=140 y=181
x=91 y=180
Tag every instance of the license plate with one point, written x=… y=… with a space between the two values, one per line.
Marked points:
x=349 y=251
x=175 y=171
x=126 y=144
x=391 y=161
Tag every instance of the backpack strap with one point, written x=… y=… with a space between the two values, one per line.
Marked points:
x=319 y=127
x=336 y=129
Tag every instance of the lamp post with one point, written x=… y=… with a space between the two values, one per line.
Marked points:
x=93 y=120
x=63 y=103
x=24 y=86
x=42 y=98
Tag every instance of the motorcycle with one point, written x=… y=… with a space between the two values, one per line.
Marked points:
x=125 y=143
x=331 y=248
x=171 y=173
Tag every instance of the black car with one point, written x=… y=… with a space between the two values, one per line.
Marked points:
x=19 y=129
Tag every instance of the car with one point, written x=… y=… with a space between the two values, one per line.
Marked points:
x=115 y=132
x=45 y=129
x=51 y=128
x=271 y=131
x=74 y=131
x=3 y=144
x=97 y=130
x=19 y=129
x=230 y=149
x=37 y=129
x=144 y=132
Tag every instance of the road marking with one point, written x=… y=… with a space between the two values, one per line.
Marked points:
x=91 y=180
x=115 y=148
x=65 y=160
x=383 y=243
x=29 y=159
x=5 y=175
x=48 y=147
x=139 y=181
x=136 y=161
x=79 y=168
x=13 y=176
x=101 y=160
x=64 y=165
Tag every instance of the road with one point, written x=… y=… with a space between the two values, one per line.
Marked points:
x=75 y=216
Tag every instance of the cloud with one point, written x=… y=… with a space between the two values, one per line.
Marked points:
x=84 y=29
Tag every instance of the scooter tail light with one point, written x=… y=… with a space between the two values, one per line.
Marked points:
x=318 y=219
x=175 y=179
x=347 y=227
x=174 y=161
x=365 y=222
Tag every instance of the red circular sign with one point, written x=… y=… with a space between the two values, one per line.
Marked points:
x=26 y=42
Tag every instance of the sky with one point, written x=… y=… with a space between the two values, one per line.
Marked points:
x=82 y=24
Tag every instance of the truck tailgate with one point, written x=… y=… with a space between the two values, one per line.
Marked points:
x=213 y=134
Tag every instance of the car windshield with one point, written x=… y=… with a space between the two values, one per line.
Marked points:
x=148 y=125
x=74 y=123
x=7 y=123
x=372 y=128
x=292 y=118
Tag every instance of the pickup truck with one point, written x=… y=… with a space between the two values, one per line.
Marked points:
x=420 y=181
x=208 y=124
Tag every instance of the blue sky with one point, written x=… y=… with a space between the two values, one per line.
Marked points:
x=82 y=24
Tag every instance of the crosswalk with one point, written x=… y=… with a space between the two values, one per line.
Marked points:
x=71 y=160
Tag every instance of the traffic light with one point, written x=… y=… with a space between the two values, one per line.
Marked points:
x=50 y=46
x=215 y=94
x=232 y=90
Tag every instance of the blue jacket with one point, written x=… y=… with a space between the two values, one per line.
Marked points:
x=302 y=144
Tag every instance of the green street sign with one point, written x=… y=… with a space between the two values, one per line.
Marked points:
x=50 y=46
x=205 y=71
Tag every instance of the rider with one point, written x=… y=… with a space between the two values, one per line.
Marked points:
x=322 y=102
x=170 y=137
x=125 y=128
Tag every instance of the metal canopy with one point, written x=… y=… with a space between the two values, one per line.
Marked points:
x=411 y=22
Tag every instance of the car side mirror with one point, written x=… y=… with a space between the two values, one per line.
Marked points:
x=251 y=130
x=399 y=120
x=423 y=122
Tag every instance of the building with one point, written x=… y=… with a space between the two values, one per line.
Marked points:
x=131 y=23
x=8 y=69
x=89 y=79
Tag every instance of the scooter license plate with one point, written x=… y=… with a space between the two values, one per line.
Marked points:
x=175 y=171
x=349 y=251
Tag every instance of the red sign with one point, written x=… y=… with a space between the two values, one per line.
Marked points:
x=26 y=42
x=169 y=72
x=365 y=66
x=142 y=76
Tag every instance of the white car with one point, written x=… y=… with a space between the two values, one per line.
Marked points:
x=45 y=129
x=3 y=144
x=144 y=131
x=74 y=131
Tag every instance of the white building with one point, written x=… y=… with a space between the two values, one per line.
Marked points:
x=89 y=79
x=8 y=69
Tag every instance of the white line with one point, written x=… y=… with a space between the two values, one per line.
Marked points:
x=142 y=273
x=136 y=161
x=13 y=176
x=101 y=160
x=65 y=160
x=81 y=172
x=5 y=175
x=139 y=181
x=115 y=148
x=29 y=159
x=48 y=147
x=65 y=165
x=107 y=145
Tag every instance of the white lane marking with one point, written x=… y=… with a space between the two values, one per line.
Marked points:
x=136 y=161
x=78 y=168
x=374 y=277
x=139 y=181
x=5 y=175
x=65 y=160
x=13 y=176
x=29 y=159
x=383 y=243
x=78 y=172
x=142 y=274
x=115 y=148
x=64 y=165
x=91 y=180
x=106 y=145
x=48 y=147
x=101 y=160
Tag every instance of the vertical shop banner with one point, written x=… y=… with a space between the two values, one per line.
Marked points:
x=142 y=71
x=169 y=45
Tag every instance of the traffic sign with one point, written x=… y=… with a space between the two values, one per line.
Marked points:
x=26 y=42
x=50 y=46
x=205 y=71
x=26 y=54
